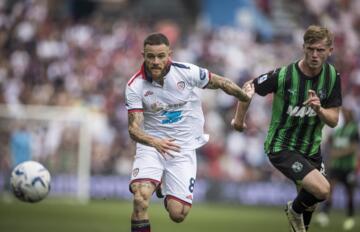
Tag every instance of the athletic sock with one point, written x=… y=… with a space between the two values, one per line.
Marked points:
x=303 y=201
x=350 y=200
x=307 y=215
x=140 y=226
x=350 y=207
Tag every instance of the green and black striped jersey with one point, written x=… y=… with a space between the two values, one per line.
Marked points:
x=293 y=126
x=344 y=137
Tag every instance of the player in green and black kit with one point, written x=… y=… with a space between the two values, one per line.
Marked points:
x=343 y=159
x=306 y=96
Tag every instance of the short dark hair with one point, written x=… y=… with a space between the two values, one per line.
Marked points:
x=315 y=33
x=156 y=39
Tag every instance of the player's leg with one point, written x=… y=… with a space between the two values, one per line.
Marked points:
x=328 y=203
x=179 y=183
x=316 y=185
x=296 y=167
x=315 y=189
x=307 y=215
x=158 y=191
x=142 y=192
x=322 y=218
x=146 y=176
x=349 y=183
x=178 y=210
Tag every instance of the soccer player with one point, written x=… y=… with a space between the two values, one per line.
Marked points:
x=166 y=120
x=306 y=96
x=343 y=159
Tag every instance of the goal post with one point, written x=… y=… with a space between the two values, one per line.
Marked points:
x=36 y=117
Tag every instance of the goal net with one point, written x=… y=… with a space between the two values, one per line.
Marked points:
x=57 y=137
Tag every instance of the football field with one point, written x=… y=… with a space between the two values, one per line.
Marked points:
x=113 y=216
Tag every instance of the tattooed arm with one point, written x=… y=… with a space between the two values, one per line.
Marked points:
x=238 y=122
x=228 y=86
x=136 y=120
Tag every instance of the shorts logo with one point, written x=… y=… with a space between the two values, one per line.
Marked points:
x=180 y=85
x=297 y=167
x=190 y=197
x=135 y=172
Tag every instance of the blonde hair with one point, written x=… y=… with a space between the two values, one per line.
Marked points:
x=316 y=33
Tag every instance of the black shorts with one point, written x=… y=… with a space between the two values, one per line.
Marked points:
x=296 y=166
x=346 y=177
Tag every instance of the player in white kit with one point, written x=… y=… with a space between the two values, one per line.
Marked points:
x=166 y=120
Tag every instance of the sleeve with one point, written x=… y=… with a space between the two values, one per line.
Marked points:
x=199 y=77
x=266 y=83
x=133 y=100
x=335 y=98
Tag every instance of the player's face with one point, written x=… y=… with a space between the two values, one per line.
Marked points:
x=156 y=59
x=316 y=54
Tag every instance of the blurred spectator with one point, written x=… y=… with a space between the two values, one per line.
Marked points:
x=20 y=143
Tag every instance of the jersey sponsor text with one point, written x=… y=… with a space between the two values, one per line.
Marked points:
x=300 y=111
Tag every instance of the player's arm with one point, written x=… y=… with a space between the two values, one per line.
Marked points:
x=228 y=86
x=238 y=122
x=262 y=85
x=328 y=110
x=136 y=120
x=330 y=116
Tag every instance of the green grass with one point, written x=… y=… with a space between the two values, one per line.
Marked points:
x=113 y=216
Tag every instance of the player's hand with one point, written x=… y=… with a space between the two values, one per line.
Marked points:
x=166 y=146
x=249 y=89
x=237 y=126
x=313 y=101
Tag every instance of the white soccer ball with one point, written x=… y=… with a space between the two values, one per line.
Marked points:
x=30 y=181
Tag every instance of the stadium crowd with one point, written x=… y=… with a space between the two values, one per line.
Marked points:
x=59 y=61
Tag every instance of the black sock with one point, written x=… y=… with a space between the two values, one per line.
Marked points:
x=307 y=215
x=303 y=201
x=140 y=226
x=350 y=203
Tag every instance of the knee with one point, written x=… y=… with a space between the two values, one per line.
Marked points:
x=177 y=216
x=323 y=192
x=141 y=202
x=177 y=211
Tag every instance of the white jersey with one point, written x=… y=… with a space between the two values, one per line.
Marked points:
x=174 y=109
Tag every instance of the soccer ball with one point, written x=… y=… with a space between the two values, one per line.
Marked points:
x=30 y=181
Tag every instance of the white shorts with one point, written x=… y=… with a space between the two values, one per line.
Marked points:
x=177 y=174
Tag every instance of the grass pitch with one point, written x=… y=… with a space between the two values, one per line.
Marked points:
x=114 y=216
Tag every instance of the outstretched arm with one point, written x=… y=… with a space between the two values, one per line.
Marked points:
x=228 y=86
x=238 y=122
x=164 y=146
